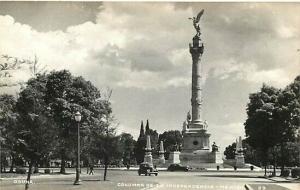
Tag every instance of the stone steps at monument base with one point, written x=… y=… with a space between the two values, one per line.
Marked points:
x=201 y=166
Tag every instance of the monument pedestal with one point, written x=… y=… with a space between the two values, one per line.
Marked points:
x=195 y=139
x=161 y=159
x=201 y=158
x=174 y=157
x=148 y=157
x=240 y=161
x=217 y=157
x=196 y=150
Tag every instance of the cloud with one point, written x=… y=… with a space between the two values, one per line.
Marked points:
x=137 y=52
x=67 y=13
x=249 y=71
x=127 y=58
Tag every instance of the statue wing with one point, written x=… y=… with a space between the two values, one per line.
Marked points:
x=199 y=15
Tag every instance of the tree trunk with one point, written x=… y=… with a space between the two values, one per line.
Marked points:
x=274 y=170
x=282 y=159
x=265 y=160
x=11 y=170
x=105 y=167
x=63 y=163
x=28 y=176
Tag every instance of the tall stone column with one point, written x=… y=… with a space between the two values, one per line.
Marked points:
x=196 y=50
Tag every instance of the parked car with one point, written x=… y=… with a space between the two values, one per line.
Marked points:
x=147 y=169
x=178 y=167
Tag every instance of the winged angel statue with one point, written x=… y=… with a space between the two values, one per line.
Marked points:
x=196 y=21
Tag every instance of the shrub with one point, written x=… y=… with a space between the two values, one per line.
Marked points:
x=47 y=171
x=285 y=173
x=295 y=172
x=20 y=170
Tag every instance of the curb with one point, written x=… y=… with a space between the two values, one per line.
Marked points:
x=35 y=177
x=282 y=180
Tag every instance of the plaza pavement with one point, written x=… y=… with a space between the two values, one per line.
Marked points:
x=122 y=179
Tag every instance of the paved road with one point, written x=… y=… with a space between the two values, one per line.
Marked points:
x=128 y=180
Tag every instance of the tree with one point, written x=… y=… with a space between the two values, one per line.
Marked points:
x=260 y=127
x=105 y=144
x=230 y=151
x=66 y=94
x=273 y=119
x=36 y=130
x=106 y=148
x=8 y=129
x=127 y=146
x=139 y=149
x=251 y=155
x=171 y=139
x=287 y=116
x=147 y=129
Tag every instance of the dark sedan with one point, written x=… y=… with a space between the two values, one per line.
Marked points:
x=147 y=169
x=178 y=167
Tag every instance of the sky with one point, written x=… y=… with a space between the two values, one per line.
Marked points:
x=141 y=52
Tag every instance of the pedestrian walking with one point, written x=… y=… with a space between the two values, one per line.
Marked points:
x=91 y=169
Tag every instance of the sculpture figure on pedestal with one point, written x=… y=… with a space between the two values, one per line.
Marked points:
x=214 y=147
x=196 y=21
x=188 y=117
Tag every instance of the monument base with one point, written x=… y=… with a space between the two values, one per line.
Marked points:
x=240 y=161
x=148 y=158
x=174 y=157
x=196 y=151
x=200 y=158
x=162 y=159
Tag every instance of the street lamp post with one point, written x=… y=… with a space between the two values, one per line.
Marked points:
x=78 y=119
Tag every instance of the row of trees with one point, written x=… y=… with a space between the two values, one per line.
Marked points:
x=43 y=112
x=39 y=123
x=272 y=127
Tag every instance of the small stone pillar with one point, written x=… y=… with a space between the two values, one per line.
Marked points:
x=148 y=150
x=239 y=154
x=161 y=153
x=174 y=157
